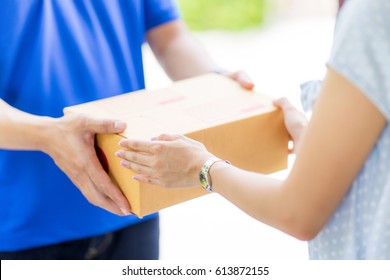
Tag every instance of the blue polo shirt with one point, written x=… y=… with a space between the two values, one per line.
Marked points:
x=53 y=54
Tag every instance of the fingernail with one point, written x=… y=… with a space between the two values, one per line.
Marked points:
x=125 y=212
x=119 y=153
x=248 y=82
x=120 y=125
x=122 y=143
x=136 y=177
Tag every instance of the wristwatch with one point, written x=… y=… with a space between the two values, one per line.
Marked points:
x=204 y=174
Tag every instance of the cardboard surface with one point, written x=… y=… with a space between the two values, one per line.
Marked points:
x=234 y=124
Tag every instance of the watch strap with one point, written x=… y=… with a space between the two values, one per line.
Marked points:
x=204 y=174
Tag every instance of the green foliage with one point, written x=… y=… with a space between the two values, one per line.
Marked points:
x=222 y=14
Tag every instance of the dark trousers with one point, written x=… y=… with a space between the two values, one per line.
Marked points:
x=137 y=242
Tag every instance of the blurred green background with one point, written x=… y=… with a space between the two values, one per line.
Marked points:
x=223 y=14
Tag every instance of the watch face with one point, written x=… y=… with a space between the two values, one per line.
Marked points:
x=203 y=179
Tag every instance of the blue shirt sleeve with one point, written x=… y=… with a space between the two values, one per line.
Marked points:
x=361 y=49
x=160 y=11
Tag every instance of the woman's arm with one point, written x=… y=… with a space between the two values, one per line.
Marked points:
x=343 y=129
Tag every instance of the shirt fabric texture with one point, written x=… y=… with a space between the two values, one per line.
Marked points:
x=53 y=54
x=360 y=226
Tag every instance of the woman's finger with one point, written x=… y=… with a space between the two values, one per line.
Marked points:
x=138 y=168
x=167 y=137
x=284 y=104
x=137 y=145
x=136 y=157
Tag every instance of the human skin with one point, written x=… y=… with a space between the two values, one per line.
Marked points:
x=72 y=136
x=328 y=159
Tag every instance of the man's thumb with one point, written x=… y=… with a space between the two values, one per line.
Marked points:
x=108 y=126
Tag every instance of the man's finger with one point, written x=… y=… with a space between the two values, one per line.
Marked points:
x=106 y=187
x=243 y=79
x=105 y=126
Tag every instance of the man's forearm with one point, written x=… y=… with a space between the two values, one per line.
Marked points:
x=20 y=130
x=185 y=58
x=178 y=52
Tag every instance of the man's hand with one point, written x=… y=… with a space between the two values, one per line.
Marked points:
x=71 y=145
x=240 y=77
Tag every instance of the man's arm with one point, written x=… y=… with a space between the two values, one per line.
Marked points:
x=64 y=140
x=182 y=56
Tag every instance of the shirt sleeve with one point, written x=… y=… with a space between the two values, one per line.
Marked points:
x=159 y=12
x=361 y=49
x=309 y=94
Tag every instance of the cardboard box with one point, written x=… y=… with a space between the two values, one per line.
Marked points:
x=233 y=123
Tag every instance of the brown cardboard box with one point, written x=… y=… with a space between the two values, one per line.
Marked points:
x=235 y=124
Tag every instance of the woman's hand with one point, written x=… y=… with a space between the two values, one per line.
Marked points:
x=167 y=160
x=294 y=120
